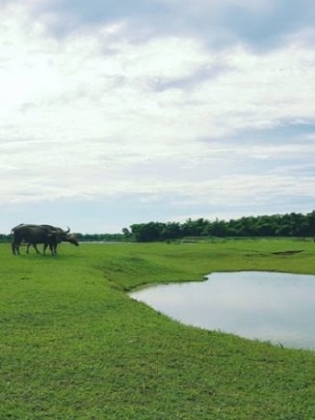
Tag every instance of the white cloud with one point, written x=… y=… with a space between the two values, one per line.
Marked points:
x=83 y=115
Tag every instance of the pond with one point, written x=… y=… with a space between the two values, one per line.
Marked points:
x=274 y=307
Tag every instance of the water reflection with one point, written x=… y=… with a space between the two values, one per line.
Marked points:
x=275 y=307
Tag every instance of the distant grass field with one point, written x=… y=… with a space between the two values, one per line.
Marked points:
x=74 y=346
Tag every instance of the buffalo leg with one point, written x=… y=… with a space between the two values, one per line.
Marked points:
x=52 y=248
x=44 y=248
x=15 y=248
x=35 y=247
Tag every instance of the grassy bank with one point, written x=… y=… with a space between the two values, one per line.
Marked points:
x=74 y=346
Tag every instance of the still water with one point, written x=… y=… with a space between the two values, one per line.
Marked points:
x=275 y=307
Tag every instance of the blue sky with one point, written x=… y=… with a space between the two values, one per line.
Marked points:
x=122 y=112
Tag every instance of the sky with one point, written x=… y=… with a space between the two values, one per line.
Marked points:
x=122 y=112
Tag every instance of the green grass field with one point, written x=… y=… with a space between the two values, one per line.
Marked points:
x=74 y=346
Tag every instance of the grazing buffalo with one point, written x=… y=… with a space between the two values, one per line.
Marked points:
x=40 y=234
x=32 y=235
x=58 y=235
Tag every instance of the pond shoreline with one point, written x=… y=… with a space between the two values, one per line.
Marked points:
x=259 y=305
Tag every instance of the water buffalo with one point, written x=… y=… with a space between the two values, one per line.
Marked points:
x=40 y=234
x=59 y=235
x=32 y=235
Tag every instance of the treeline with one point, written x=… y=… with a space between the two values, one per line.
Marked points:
x=84 y=237
x=100 y=237
x=293 y=224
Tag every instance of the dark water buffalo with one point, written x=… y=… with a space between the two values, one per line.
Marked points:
x=40 y=234
x=32 y=235
x=58 y=235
